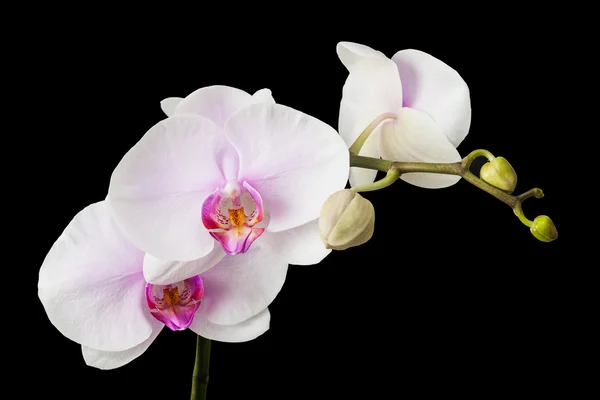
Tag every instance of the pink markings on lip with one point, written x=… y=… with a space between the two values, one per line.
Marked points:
x=230 y=214
x=175 y=305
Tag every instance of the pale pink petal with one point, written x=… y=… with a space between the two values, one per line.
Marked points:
x=244 y=331
x=217 y=103
x=228 y=160
x=264 y=96
x=299 y=246
x=415 y=137
x=114 y=359
x=351 y=53
x=157 y=190
x=372 y=89
x=432 y=86
x=169 y=104
x=242 y=285
x=293 y=160
x=164 y=272
x=91 y=284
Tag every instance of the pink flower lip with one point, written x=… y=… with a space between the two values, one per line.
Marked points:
x=230 y=215
x=175 y=305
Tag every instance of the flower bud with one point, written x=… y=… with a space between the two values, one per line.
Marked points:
x=499 y=173
x=543 y=229
x=347 y=219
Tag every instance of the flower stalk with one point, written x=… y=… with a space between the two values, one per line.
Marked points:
x=364 y=135
x=395 y=169
x=200 y=374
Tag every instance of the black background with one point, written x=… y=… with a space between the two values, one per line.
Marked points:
x=452 y=296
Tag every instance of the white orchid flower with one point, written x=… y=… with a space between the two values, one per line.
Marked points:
x=423 y=105
x=93 y=290
x=225 y=171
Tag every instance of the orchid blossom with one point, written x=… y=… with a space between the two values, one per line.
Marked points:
x=223 y=172
x=92 y=288
x=204 y=213
x=421 y=108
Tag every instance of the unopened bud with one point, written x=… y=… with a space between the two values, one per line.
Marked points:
x=499 y=173
x=347 y=219
x=543 y=229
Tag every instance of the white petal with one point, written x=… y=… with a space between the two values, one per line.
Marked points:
x=432 y=86
x=242 y=285
x=115 y=359
x=157 y=190
x=216 y=103
x=264 y=96
x=370 y=148
x=299 y=246
x=372 y=89
x=169 y=104
x=91 y=284
x=415 y=137
x=351 y=53
x=242 y=332
x=293 y=160
x=165 y=272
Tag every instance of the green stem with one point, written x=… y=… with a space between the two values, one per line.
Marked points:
x=391 y=177
x=369 y=162
x=504 y=197
x=477 y=153
x=519 y=213
x=362 y=138
x=404 y=167
x=536 y=192
x=394 y=169
x=200 y=374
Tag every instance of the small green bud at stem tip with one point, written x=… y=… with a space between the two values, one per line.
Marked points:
x=544 y=229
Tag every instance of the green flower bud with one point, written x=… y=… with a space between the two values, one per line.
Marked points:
x=347 y=219
x=499 y=173
x=543 y=229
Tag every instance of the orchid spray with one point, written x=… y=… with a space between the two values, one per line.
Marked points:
x=205 y=213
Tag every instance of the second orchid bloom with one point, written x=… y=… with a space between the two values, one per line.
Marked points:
x=202 y=217
x=423 y=104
